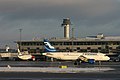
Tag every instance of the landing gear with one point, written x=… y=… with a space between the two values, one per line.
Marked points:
x=77 y=62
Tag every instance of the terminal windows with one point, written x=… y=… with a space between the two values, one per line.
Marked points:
x=99 y=48
x=78 y=48
x=88 y=48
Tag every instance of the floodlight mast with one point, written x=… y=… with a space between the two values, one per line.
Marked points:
x=20 y=39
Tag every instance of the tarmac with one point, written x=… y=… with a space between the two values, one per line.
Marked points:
x=54 y=69
x=25 y=70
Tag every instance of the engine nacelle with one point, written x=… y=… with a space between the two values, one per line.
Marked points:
x=91 y=61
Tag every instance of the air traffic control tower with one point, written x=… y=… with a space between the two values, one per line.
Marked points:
x=66 y=24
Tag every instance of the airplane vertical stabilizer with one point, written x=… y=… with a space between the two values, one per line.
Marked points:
x=48 y=47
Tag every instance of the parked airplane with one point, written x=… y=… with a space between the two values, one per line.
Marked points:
x=73 y=56
x=25 y=55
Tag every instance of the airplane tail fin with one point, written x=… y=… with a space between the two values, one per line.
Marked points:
x=19 y=53
x=48 y=47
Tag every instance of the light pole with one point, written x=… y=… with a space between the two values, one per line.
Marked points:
x=72 y=39
x=20 y=39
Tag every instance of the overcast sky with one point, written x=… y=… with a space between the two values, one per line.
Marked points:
x=43 y=18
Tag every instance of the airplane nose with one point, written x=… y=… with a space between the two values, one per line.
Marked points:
x=108 y=58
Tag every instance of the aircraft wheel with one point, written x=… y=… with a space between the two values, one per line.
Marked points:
x=75 y=63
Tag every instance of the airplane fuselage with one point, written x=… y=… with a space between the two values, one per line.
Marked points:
x=96 y=56
x=76 y=55
x=63 y=55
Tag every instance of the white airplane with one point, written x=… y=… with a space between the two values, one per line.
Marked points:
x=25 y=55
x=50 y=51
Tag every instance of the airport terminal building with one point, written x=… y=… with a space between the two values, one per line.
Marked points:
x=98 y=43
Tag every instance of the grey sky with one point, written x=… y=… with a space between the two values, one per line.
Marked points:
x=43 y=18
